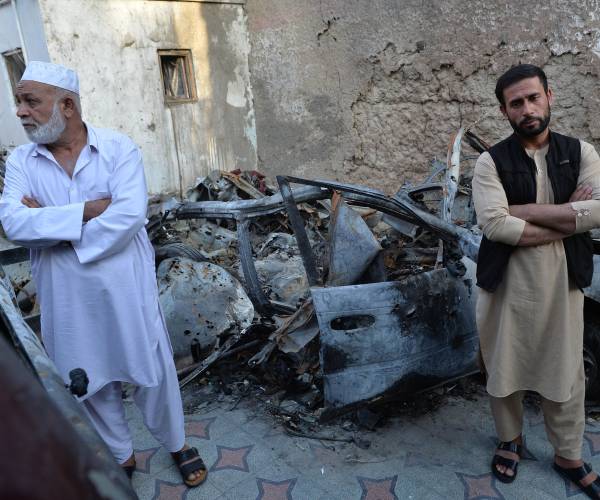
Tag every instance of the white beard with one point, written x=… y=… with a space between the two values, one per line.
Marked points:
x=50 y=131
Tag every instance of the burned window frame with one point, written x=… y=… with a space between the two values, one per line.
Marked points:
x=188 y=73
x=9 y=63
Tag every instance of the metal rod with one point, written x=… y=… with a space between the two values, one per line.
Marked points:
x=299 y=231
x=255 y=291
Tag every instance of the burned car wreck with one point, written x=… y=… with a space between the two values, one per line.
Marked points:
x=381 y=336
x=380 y=292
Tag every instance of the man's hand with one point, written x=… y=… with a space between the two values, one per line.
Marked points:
x=582 y=193
x=30 y=202
x=95 y=208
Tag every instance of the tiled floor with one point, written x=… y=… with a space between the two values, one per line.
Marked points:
x=444 y=454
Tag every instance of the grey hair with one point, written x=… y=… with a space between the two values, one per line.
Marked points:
x=63 y=94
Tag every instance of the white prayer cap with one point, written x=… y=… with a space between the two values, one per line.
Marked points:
x=52 y=74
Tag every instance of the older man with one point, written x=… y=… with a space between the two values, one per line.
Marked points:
x=536 y=193
x=76 y=196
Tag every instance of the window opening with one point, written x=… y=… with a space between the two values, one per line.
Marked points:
x=177 y=76
x=15 y=66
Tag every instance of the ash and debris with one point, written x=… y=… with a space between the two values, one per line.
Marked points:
x=296 y=413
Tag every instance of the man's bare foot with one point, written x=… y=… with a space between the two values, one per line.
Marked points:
x=189 y=457
x=502 y=469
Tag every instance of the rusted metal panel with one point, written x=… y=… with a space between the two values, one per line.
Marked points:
x=401 y=336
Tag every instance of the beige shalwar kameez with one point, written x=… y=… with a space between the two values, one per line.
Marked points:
x=531 y=326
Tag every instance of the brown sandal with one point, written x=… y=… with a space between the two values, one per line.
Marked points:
x=195 y=464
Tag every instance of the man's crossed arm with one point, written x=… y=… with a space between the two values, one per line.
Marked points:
x=91 y=209
x=545 y=223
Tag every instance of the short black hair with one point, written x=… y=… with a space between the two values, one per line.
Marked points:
x=516 y=74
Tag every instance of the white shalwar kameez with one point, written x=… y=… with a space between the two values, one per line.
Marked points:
x=96 y=281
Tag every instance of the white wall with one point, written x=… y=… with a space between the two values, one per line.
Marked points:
x=113 y=45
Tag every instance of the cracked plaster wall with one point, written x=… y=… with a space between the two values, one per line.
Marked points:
x=370 y=92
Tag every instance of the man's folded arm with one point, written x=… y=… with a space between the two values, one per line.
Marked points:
x=534 y=235
x=574 y=216
x=561 y=218
x=35 y=227
x=491 y=205
x=116 y=227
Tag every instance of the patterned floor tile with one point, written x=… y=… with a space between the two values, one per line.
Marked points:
x=143 y=458
x=410 y=458
x=275 y=490
x=232 y=458
x=200 y=428
x=378 y=489
x=233 y=467
x=169 y=491
x=169 y=482
x=480 y=487
x=277 y=473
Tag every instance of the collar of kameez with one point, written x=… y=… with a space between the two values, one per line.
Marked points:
x=42 y=150
x=92 y=142
x=92 y=139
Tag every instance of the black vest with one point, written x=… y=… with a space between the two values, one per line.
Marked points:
x=517 y=172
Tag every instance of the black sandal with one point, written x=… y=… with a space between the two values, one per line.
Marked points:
x=196 y=465
x=576 y=474
x=509 y=463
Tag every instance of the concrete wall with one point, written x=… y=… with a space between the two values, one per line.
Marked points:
x=113 y=45
x=370 y=91
x=27 y=12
